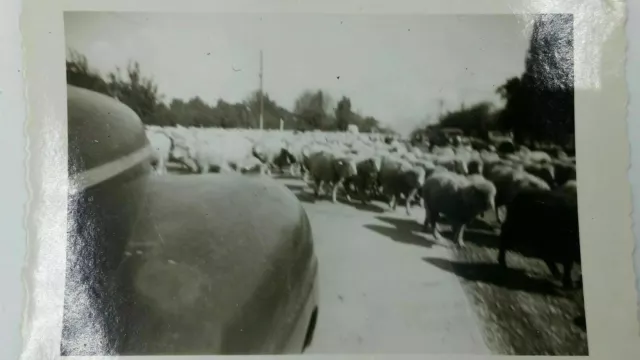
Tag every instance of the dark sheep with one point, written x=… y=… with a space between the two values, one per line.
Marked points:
x=475 y=167
x=366 y=179
x=547 y=223
x=284 y=159
x=571 y=186
x=399 y=177
x=506 y=147
x=564 y=171
x=544 y=171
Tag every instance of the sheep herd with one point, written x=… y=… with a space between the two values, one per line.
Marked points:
x=532 y=192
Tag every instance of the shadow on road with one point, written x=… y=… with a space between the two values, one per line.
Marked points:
x=284 y=176
x=490 y=239
x=305 y=194
x=478 y=232
x=403 y=224
x=483 y=225
x=296 y=187
x=402 y=233
x=179 y=170
x=306 y=197
x=481 y=238
x=366 y=207
x=493 y=274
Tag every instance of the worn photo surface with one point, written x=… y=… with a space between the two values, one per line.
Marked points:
x=321 y=184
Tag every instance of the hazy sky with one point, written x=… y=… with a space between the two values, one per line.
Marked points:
x=395 y=68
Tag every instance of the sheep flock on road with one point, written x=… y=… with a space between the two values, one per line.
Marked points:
x=531 y=192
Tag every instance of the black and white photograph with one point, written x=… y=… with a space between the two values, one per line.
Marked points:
x=280 y=183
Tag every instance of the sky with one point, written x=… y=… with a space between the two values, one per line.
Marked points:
x=398 y=68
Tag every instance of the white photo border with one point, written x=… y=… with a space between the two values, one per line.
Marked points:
x=602 y=154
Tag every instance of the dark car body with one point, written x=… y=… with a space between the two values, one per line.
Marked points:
x=177 y=264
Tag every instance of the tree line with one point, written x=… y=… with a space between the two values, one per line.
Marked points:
x=539 y=104
x=313 y=110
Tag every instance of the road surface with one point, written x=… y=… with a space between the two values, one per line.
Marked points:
x=377 y=293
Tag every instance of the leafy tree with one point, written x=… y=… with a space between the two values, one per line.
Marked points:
x=509 y=90
x=344 y=115
x=475 y=121
x=368 y=124
x=312 y=109
x=371 y=124
x=272 y=112
x=540 y=103
x=550 y=76
x=516 y=114
x=164 y=116
x=138 y=92
x=79 y=74
x=200 y=114
x=233 y=115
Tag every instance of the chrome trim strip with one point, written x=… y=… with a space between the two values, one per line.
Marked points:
x=106 y=171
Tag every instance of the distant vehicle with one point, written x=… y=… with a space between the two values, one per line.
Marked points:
x=438 y=136
x=497 y=137
x=452 y=132
x=353 y=129
x=419 y=141
x=177 y=264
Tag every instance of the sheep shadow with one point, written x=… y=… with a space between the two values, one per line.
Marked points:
x=284 y=176
x=306 y=197
x=494 y=274
x=481 y=238
x=477 y=224
x=483 y=224
x=478 y=232
x=179 y=170
x=296 y=187
x=299 y=191
x=402 y=231
x=403 y=224
x=370 y=207
x=305 y=194
x=490 y=239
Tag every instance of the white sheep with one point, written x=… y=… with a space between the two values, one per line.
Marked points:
x=453 y=163
x=457 y=197
x=161 y=144
x=399 y=177
x=224 y=153
x=537 y=157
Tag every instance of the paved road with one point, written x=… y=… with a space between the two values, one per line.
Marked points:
x=377 y=294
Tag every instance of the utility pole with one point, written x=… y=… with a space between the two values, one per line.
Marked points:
x=261 y=93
